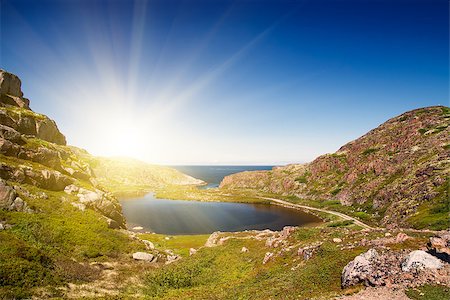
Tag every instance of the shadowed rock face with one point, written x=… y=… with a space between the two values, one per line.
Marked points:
x=394 y=169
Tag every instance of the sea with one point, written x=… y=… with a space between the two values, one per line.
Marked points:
x=213 y=175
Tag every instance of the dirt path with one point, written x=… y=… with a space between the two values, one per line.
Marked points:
x=293 y=205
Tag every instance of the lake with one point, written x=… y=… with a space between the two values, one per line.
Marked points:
x=196 y=217
x=213 y=175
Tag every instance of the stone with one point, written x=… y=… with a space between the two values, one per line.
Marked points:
x=212 y=240
x=244 y=250
x=7 y=195
x=418 y=259
x=138 y=228
x=267 y=257
x=387 y=234
x=192 y=251
x=149 y=245
x=286 y=232
x=112 y=223
x=80 y=206
x=337 y=240
x=143 y=256
x=439 y=246
x=307 y=252
x=172 y=258
x=359 y=269
x=71 y=189
x=401 y=237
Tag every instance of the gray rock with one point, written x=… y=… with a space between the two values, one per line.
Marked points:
x=359 y=269
x=418 y=259
x=81 y=207
x=267 y=257
x=212 y=240
x=244 y=250
x=172 y=258
x=192 y=251
x=7 y=195
x=71 y=189
x=149 y=245
x=143 y=256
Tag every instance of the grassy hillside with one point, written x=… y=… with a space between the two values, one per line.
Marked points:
x=397 y=173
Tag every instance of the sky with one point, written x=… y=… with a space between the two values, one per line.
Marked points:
x=225 y=82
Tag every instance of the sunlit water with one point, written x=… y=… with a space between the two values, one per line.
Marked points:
x=213 y=175
x=195 y=217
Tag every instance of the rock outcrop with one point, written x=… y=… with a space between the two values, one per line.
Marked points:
x=398 y=171
x=395 y=268
x=15 y=112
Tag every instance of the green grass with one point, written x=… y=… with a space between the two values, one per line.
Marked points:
x=340 y=223
x=369 y=151
x=429 y=292
x=50 y=247
x=180 y=244
x=433 y=214
x=301 y=179
x=227 y=273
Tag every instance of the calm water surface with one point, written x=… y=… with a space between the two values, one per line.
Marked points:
x=195 y=217
x=213 y=175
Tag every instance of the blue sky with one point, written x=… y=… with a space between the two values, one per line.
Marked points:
x=225 y=82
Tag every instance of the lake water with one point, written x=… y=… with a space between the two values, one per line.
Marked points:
x=195 y=217
x=213 y=175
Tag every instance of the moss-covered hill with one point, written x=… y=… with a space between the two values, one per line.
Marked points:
x=397 y=173
x=56 y=209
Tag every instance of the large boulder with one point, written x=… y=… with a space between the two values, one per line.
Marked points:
x=143 y=256
x=418 y=259
x=359 y=269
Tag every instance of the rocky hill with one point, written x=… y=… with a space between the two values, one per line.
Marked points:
x=34 y=159
x=127 y=177
x=398 y=171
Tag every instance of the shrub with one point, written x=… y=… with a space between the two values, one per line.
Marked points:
x=340 y=223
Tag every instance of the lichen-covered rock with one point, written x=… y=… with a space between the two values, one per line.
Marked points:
x=421 y=260
x=359 y=269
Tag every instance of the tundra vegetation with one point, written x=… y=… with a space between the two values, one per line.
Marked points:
x=63 y=235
